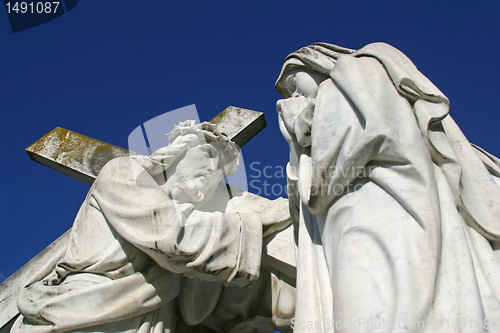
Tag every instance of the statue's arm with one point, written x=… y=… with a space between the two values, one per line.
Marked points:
x=274 y=215
x=292 y=172
x=222 y=247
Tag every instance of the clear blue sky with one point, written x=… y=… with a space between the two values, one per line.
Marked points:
x=105 y=67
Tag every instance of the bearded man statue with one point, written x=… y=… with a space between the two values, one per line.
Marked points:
x=159 y=247
x=397 y=215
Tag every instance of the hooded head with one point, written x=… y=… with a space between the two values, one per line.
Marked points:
x=320 y=57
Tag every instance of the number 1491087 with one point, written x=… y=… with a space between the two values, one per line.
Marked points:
x=32 y=7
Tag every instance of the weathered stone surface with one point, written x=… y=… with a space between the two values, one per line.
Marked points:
x=149 y=222
x=34 y=270
x=82 y=158
x=73 y=154
x=398 y=214
x=239 y=125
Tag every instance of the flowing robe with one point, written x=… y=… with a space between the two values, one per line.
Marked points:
x=399 y=216
x=137 y=261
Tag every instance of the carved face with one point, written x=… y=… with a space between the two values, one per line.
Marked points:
x=296 y=112
x=303 y=82
x=195 y=174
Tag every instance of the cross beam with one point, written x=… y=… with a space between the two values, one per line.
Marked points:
x=82 y=158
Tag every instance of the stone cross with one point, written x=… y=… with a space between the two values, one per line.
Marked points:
x=82 y=158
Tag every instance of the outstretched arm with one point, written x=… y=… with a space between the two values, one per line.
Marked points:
x=223 y=247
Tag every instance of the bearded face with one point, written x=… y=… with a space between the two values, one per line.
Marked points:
x=195 y=174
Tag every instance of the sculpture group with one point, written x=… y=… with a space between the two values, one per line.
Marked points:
x=396 y=219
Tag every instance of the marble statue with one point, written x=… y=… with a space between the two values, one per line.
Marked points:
x=159 y=246
x=397 y=214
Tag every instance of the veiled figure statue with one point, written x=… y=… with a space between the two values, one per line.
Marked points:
x=397 y=214
x=158 y=246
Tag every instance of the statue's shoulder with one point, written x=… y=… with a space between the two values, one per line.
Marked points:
x=120 y=167
x=119 y=162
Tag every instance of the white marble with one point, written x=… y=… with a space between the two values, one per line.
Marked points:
x=158 y=245
x=398 y=215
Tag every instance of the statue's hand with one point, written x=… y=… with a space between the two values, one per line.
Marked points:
x=290 y=108
x=303 y=125
x=275 y=216
x=296 y=114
